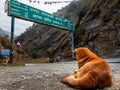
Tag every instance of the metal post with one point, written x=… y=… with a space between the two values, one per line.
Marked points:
x=12 y=40
x=72 y=42
x=18 y=53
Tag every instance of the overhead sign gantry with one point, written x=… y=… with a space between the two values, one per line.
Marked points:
x=25 y=12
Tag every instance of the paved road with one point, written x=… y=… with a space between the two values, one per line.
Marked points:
x=114 y=60
x=46 y=76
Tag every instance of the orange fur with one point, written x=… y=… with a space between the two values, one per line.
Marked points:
x=93 y=72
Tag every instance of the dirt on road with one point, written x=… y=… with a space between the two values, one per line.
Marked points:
x=45 y=76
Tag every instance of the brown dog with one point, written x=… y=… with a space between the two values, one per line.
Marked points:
x=93 y=72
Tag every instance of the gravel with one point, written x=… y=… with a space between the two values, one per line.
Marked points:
x=45 y=76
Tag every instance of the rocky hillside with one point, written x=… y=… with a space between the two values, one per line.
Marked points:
x=100 y=27
x=97 y=27
x=4 y=42
x=45 y=41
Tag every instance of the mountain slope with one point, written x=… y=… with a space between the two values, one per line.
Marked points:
x=101 y=28
x=47 y=41
x=97 y=27
x=4 y=33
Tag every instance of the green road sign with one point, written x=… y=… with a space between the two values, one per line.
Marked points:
x=26 y=12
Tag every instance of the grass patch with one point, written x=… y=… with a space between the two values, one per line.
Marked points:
x=20 y=64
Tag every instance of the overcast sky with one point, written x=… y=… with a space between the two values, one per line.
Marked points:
x=21 y=25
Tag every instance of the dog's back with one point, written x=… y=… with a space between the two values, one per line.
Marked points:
x=93 y=71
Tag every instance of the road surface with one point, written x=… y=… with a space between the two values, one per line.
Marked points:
x=46 y=76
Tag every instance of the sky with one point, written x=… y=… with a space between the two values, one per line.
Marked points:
x=21 y=25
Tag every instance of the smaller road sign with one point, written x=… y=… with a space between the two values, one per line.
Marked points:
x=18 y=44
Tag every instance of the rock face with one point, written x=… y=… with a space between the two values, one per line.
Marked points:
x=43 y=42
x=97 y=27
x=102 y=28
x=104 y=41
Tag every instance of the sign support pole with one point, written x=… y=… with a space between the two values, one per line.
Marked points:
x=12 y=40
x=18 y=53
x=72 y=42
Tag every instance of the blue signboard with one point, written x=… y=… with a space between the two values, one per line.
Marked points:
x=4 y=52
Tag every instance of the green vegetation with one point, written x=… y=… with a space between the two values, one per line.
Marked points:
x=19 y=64
x=79 y=31
x=4 y=42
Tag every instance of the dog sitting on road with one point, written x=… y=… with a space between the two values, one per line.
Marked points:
x=93 y=72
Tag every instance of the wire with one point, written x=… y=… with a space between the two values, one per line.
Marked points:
x=56 y=2
x=49 y=2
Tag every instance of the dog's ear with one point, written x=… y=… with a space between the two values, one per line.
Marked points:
x=75 y=52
